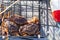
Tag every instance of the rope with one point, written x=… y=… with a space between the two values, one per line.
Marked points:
x=9 y=6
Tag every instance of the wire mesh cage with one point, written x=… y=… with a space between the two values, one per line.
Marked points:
x=29 y=9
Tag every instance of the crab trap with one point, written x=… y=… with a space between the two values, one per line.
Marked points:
x=25 y=18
